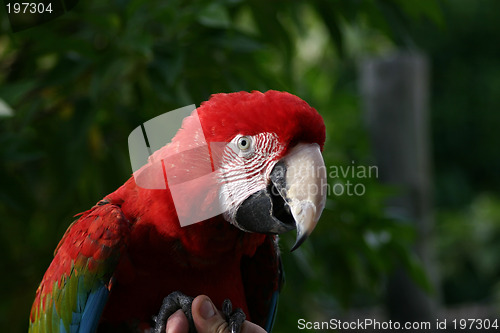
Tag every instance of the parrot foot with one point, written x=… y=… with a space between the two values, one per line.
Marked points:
x=234 y=318
x=177 y=300
x=173 y=302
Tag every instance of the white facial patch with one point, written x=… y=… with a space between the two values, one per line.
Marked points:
x=246 y=164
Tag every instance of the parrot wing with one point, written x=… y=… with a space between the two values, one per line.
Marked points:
x=75 y=288
x=263 y=278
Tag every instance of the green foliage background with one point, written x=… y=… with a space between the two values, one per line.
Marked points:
x=80 y=84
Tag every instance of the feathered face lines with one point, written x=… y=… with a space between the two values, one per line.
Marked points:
x=246 y=164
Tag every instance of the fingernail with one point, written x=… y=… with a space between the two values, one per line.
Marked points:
x=169 y=328
x=207 y=309
x=172 y=322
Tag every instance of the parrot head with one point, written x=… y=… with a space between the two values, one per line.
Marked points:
x=271 y=172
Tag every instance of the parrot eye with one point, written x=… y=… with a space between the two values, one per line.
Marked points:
x=244 y=143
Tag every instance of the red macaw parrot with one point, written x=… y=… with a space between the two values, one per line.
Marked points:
x=115 y=264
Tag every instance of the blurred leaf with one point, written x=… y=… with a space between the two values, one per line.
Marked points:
x=5 y=109
x=327 y=11
x=214 y=15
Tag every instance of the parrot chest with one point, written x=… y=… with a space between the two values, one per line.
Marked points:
x=149 y=271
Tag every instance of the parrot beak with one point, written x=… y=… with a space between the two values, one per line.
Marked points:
x=301 y=182
x=294 y=199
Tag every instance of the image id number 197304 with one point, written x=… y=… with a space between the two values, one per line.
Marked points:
x=481 y=324
x=28 y=7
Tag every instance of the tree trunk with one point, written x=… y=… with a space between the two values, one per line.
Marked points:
x=395 y=92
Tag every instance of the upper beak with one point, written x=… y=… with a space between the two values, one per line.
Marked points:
x=303 y=187
x=295 y=197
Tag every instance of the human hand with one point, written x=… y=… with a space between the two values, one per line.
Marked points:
x=207 y=319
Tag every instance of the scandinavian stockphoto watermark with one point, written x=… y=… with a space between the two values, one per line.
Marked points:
x=192 y=172
x=343 y=180
x=349 y=179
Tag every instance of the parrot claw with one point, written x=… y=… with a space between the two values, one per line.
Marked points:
x=173 y=302
x=234 y=318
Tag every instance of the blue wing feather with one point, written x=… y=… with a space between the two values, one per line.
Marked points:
x=93 y=310
x=273 y=309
